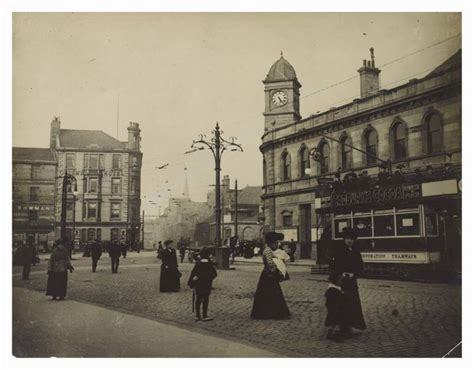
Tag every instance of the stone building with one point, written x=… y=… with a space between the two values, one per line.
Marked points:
x=414 y=128
x=33 y=175
x=105 y=202
x=249 y=202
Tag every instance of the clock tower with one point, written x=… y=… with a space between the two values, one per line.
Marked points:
x=282 y=95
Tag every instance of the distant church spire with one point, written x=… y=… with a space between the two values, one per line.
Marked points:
x=186 y=186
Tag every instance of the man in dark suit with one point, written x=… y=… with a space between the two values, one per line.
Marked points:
x=114 y=253
x=28 y=254
x=96 y=252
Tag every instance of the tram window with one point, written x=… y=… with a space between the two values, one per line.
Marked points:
x=431 y=224
x=339 y=226
x=363 y=225
x=384 y=225
x=408 y=224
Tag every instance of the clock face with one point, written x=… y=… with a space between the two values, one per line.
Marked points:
x=280 y=98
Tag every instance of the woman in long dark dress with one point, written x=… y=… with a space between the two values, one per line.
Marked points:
x=58 y=266
x=169 y=276
x=269 y=302
x=347 y=260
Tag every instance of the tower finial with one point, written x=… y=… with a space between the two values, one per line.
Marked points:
x=281 y=53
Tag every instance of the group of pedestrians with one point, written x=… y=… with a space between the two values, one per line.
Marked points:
x=344 y=310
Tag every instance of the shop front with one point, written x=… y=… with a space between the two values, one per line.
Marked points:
x=405 y=230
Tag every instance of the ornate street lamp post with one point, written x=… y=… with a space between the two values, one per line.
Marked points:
x=218 y=145
x=72 y=181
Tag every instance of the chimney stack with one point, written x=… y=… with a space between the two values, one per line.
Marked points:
x=369 y=77
x=134 y=136
x=54 y=132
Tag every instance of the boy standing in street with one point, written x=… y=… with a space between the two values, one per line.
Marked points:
x=200 y=281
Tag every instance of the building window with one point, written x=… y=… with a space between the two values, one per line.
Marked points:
x=32 y=215
x=324 y=158
x=35 y=171
x=408 y=224
x=264 y=172
x=433 y=128
x=94 y=161
x=99 y=235
x=91 y=209
x=92 y=188
x=114 y=234
x=70 y=161
x=116 y=185
x=346 y=153
x=134 y=185
x=116 y=161
x=399 y=137
x=371 y=147
x=286 y=165
x=115 y=210
x=84 y=235
x=304 y=161
x=91 y=235
x=34 y=194
x=287 y=220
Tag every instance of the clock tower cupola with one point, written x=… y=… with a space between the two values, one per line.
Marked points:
x=282 y=95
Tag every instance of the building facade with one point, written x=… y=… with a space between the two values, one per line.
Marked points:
x=249 y=206
x=388 y=163
x=103 y=203
x=33 y=190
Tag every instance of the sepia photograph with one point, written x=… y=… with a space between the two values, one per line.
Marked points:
x=236 y=185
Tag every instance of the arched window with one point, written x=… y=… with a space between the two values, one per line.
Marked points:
x=434 y=134
x=264 y=172
x=304 y=161
x=324 y=157
x=114 y=234
x=90 y=234
x=286 y=165
x=399 y=140
x=346 y=153
x=371 y=146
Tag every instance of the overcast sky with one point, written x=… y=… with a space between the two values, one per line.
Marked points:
x=177 y=74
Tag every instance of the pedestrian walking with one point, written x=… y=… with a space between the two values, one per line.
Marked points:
x=114 y=253
x=27 y=254
x=200 y=281
x=95 y=253
x=182 y=249
x=269 y=302
x=292 y=250
x=169 y=276
x=347 y=261
x=58 y=266
x=335 y=307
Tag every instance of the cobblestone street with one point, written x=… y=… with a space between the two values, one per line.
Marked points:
x=404 y=319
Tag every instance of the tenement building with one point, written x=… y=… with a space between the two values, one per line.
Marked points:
x=33 y=194
x=387 y=164
x=103 y=201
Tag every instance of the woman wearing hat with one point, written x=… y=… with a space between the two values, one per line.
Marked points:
x=58 y=266
x=269 y=302
x=169 y=277
x=347 y=261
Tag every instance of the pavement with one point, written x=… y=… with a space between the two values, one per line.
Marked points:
x=404 y=319
x=93 y=331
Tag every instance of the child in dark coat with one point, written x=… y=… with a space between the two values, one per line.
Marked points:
x=335 y=306
x=200 y=281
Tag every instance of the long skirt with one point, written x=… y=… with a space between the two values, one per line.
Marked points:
x=57 y=284
x=269 y=302
x=169 y=280
x=353 y=315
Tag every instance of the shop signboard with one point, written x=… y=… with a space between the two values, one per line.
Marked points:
x=379 y=195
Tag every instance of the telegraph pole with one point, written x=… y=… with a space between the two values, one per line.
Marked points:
x=236 y=222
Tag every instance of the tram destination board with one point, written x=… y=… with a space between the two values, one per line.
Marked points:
x=377 y=195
